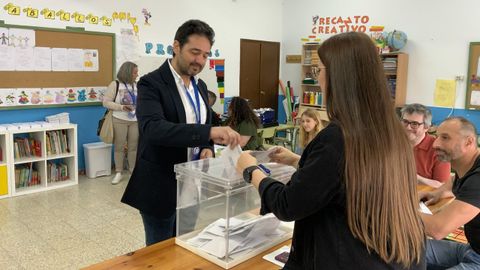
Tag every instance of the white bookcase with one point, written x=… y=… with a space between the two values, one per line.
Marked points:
x=40 y=158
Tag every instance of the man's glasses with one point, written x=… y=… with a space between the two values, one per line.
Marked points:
x=413 y=124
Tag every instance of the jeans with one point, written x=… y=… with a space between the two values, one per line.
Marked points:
x=443 y=254
x=158 y=229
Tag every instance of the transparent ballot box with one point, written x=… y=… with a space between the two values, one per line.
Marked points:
x=218 y=212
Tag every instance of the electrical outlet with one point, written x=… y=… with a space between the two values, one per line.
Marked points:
x=459 y=78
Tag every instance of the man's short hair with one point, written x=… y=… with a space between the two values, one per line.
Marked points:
x=467 y=127
x=418 y=109
x=192 y=27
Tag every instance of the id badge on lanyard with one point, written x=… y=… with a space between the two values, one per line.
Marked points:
x=132 y=114
x=196 y=109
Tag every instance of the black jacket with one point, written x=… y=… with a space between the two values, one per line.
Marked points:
x=315 y=198
x=163 y=140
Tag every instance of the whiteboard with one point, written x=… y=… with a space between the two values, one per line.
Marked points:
x=148 y=64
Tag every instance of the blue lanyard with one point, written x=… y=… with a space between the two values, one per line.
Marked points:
x=132 y=94
x=196 y=109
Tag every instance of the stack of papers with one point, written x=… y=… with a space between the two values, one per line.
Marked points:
x=243 y=235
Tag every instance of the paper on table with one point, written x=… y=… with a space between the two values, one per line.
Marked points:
x=424 y=209
x=271 y=256
x=246 y=235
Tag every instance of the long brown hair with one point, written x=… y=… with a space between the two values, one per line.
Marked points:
x=240 y=111
x=303 y=137
x=380 y=175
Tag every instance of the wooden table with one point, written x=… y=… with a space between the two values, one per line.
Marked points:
x=167 y=255
x=438 y=206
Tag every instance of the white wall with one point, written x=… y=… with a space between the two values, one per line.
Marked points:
x=231 y=20
x=439 y=34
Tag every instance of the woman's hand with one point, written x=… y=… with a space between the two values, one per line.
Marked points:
x=127 y=108
x=284 y=156
x=244 y=161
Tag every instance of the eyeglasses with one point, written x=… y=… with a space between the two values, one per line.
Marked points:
x=413 y=124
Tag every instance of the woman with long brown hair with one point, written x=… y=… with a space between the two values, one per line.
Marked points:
x=243 y=120
x=353 y=197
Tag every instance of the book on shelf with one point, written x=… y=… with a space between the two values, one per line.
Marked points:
x=26 y=175
x=26 y=147
x=57 y=172
x=57 y=142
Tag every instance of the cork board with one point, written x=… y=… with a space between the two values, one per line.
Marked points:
x=473 y=78
x=56 y=38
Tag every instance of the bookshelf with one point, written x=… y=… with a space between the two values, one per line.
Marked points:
x=41 y=158
x=395 y=66
x=4 y=180
x=311 y=96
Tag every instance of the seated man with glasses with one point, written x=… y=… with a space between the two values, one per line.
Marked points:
x=416 y=119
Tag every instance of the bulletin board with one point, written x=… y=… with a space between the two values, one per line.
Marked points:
x=473 y=78
x=65 y=38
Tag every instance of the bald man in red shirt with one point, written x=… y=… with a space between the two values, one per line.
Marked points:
x=416 y=119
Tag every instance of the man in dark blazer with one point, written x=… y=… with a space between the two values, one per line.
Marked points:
x=174 y=127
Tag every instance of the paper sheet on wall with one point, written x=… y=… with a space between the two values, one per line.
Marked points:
x=127 y=47
x=90 y=60
x=444 y=94
x=24 y=59
x=7 y=58
x=23 y=38
x=75 y=59
x=59 y=59
x=42 y=59
x=7 y=97
x=475 y=98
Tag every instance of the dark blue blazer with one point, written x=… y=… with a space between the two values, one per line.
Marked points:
x=164 y=137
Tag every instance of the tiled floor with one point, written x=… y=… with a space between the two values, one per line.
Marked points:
x=68 y=228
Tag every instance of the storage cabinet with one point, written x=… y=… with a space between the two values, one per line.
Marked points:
x=4 y=181
x=39 y=158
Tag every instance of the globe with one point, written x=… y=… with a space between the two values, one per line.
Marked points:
x=396 y=40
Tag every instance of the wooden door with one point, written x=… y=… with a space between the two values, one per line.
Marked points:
x=259 y=71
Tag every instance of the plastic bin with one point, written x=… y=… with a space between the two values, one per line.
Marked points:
x=98 y=159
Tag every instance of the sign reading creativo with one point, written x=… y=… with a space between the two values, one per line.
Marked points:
x=339 y=24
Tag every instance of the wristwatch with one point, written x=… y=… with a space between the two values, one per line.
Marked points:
x=247 y=173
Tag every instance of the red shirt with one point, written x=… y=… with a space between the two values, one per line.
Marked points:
x=426 y=161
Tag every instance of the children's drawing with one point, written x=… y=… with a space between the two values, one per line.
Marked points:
x=21 y=37
x=101 y=93
x=23 y=98
x=71 y=95
x=35 y=97
x=92 y=95
x=60 y=97
x=48 y=97
x=7 y=97
x=82 y=96
x=3 y=36
x=10 y=99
